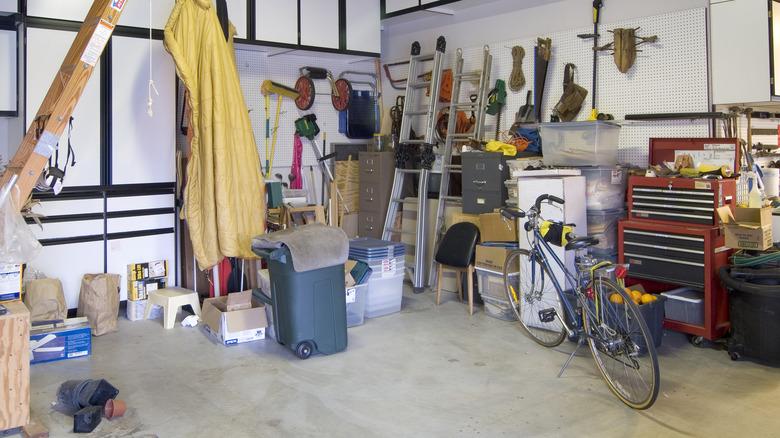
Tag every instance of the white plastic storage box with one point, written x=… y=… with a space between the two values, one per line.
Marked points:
x=490 y=285
x=685 y=305
x=605 y=187
x=384 y=296
x=356 y=304
x=603 y=225
x=580 y=143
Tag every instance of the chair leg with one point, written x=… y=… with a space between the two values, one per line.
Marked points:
x=439 y=272
x=459 y=281
x=470 y=288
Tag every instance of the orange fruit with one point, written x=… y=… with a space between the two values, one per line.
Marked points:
x=616 y=298
x=648 y=298
x=636 y=295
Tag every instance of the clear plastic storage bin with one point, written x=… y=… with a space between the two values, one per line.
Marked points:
x=356 y=304
x=685 y=305
x=605 y=187
x=490 y=285
x=603 y=225
x=386 y=268
x=384 y=296
x=580 y=143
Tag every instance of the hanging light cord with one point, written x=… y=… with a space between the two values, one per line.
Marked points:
x=152 y=87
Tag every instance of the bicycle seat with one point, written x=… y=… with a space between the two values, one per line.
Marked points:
x=581 y=243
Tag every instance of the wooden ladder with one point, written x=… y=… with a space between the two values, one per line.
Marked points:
x=53 y=116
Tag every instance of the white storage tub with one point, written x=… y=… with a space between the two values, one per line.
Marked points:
x=603 y=225
x=580 y=143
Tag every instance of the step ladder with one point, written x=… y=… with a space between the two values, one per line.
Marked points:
x=415 y=109
x=52 y=117
x=479 y=106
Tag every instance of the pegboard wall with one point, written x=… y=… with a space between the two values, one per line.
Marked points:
x=254 y=67
x=668 y=76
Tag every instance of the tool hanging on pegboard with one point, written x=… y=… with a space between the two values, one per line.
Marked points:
x=340 y=89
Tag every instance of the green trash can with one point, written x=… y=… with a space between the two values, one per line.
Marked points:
x=309 y=308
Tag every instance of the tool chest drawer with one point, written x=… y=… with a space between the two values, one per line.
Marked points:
x=484 y=171
x=691 y=201
x=668 y=253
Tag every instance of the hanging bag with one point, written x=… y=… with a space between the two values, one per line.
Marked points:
x=574 y=95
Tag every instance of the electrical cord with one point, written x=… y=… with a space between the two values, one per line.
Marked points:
x=517 y=78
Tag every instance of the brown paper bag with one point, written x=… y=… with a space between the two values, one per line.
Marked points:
x=99 y=302
x=45 y=299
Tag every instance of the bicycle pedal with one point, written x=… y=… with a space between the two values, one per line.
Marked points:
x=548 y=315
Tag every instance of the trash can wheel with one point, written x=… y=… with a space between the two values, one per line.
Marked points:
x=304 y=349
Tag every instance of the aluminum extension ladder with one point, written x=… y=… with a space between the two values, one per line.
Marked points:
x=414 y=109
x=479 y=106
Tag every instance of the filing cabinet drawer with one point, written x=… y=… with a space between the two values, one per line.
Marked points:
x=373 y=197
x=370 y=224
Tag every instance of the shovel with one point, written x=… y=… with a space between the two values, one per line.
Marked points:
x=526 y=112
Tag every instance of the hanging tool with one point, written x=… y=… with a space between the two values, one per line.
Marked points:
x=295 y=176
x=415 y=107
x=266 y=89
x=597 y=5
x=495 y=103
x=526 y=113
x=542 y=53
x=307 y=127
x=340 y=89
x=480 y=105
x=624 y=47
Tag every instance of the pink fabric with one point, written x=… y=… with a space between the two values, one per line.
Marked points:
x=297 y=182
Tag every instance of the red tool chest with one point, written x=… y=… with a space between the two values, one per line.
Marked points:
x=684 y=255
x=691 y=201
x=673 y=235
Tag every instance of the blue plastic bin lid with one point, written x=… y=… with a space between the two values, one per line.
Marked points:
x=367 y=247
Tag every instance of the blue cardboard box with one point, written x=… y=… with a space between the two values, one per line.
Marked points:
x=68 y=339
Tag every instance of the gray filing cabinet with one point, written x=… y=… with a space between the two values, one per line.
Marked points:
x=484 y=174
x=376 y=182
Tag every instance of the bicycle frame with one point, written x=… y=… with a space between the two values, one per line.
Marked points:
x=542 y=250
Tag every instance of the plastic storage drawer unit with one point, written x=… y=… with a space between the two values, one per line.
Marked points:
x=580 y=143
x=685 y=305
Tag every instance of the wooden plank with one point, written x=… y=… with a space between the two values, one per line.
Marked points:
x=63 y=95
x=15 y=366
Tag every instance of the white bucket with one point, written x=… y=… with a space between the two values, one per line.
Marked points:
x=771 y=180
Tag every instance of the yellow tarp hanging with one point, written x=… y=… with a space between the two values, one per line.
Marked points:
x=224 y=196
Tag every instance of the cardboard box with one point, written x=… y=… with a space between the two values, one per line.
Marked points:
x=491 y=258
x=11 y=282
x=237 y=326
x=239 y=301
x=464 y=217
x=495 y=228
x=747 y=228
x=68 y=339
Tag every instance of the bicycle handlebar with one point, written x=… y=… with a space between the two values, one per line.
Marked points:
x=546 y=197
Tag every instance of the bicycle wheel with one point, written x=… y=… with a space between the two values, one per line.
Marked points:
x=622 y=347
x=530 y=290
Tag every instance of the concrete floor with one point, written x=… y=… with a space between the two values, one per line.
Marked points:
x=428 y=371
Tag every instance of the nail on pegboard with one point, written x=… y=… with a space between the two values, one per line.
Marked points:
x=668 y=76
x=255 y=67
